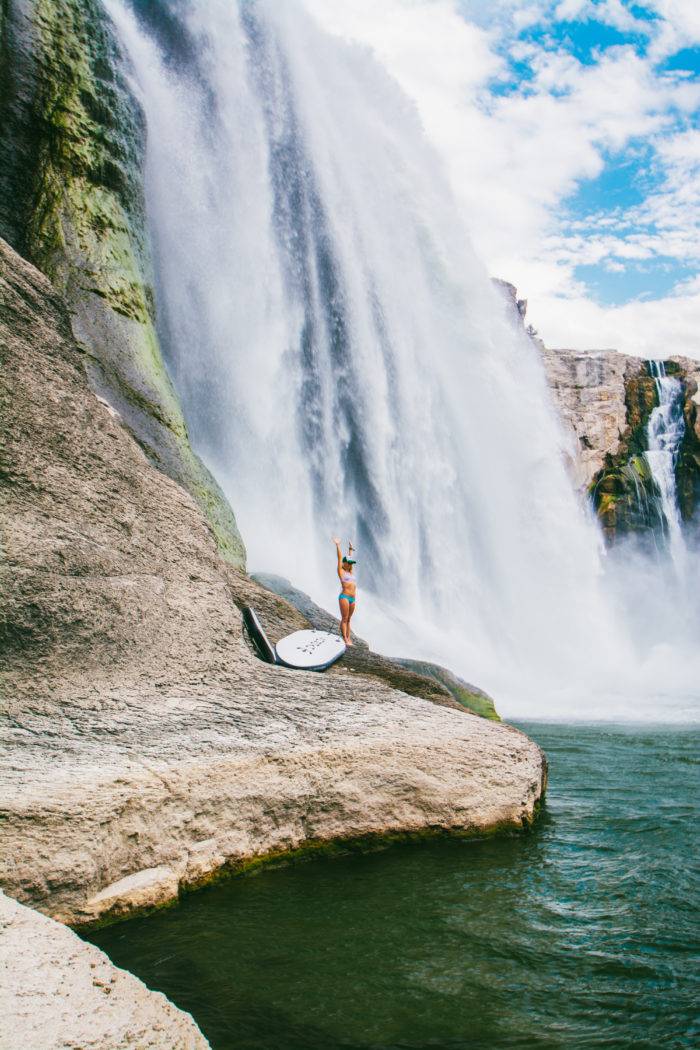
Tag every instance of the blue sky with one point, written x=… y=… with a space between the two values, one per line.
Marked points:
x=614 y=199
x=570 y=132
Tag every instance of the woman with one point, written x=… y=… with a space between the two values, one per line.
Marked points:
x=348 y=589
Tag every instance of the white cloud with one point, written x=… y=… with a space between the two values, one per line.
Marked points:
x=674 y=208
x=609 y=12
x=614 y=13
x=678 y=26
x=570 y=9
x=515 y=157
x=654 y=328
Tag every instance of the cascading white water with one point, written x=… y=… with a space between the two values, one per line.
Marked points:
x=346 y=365
x=665 y=432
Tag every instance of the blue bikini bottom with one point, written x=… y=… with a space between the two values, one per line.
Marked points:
x=348 y=598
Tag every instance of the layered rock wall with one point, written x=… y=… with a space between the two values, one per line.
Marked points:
x=605 y=400
x=71 y=201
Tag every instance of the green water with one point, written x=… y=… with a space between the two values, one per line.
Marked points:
x=583 y=933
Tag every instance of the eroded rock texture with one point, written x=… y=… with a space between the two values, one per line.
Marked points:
x=58 y=993
x=71 y=201
x=605 y=399
x=144 y=747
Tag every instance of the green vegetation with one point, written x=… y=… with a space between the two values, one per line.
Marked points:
x=623 y=492
x=467 y=695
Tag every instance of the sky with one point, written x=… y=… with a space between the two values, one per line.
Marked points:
x=570 y=132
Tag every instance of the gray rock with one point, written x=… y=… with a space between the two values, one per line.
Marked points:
x=144 y=747
x=71 y=201
x=59 y=993
x=420 y=678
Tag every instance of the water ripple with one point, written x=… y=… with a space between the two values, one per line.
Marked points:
x=583 y=934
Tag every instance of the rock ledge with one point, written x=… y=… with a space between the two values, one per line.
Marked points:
x=66 y=995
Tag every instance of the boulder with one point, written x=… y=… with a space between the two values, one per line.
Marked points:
x=145 y=749
x=59 y=993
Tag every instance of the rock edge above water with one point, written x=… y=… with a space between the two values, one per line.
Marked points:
x=144 y=748
x=58 y=992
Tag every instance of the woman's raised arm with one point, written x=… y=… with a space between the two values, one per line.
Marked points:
x=340 y=557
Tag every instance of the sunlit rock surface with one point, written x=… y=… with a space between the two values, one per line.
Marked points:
x=57 y=992
x=144 y=747
x=606 y=399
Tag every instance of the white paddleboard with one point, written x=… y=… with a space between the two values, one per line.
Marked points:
x=312 y=650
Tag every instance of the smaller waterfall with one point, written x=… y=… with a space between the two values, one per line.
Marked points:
x=665 y=432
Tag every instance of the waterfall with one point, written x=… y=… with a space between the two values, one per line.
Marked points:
x=665 y=432
x=346 y=366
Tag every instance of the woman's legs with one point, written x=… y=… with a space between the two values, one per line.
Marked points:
x=351 y=610
x=345 y=613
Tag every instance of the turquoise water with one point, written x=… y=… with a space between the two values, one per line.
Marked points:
x=583 y=933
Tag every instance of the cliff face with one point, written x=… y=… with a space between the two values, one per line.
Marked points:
x=605 y=399
x=591 y=391
x=688 y=472
x=71 y=201
x=144 y=747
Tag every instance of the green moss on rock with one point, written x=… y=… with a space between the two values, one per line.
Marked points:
x=317 y=849
x=72 y=181
x=469 y=696
x=623 y=493
x=688 y=464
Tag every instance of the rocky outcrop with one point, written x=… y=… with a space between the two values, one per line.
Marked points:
x=605 y=399
x=465 y=693
x=419 y=678
x=57 y=992
x=591 y=395
x=688 y=467
x=144 y=747
x=71 y=201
